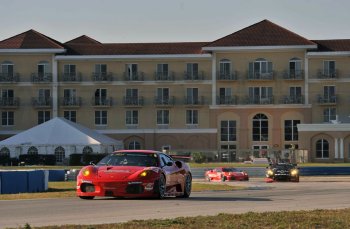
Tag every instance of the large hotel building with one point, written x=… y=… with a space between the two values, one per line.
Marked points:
x=262 y=89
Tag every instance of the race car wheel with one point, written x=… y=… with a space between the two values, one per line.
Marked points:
x=187 y=187
x=161 y=187
x=86 y=197
x=223 y=178
x=208 y=178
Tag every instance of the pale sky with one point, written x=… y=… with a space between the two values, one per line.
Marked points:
x=117 y=21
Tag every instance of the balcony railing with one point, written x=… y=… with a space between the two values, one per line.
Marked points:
x=136 y=76
x=9 y=78
x=9 y=102
x=194 y=75
x=321 y=99
x=258 y=100
x=293 y=75
x=292 y=100
x=164 y=101
x=102 y=76
x=71 y=101
x=41 y=77
x=227 y=76
x=101 y=101
x=164 y=76
x=194 y=101
x=226 y=100
x=260 y=76
x=42 y=102
x=327 y=75
x=71 y=77
x=133 y=101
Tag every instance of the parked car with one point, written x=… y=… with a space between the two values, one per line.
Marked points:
x=135 y=173
x=226 y=174
x=282 y=172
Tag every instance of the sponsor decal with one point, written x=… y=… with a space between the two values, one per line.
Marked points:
x=86 y=181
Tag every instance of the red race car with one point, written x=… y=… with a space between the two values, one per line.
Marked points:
x=135 y=173
x=225 y=173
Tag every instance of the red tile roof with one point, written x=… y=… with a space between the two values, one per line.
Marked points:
x=333 y=45
x=30 y=39
x=264 y=33
x=136 y=48
x=83 y=40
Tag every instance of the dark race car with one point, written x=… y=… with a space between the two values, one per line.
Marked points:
x=282 y=172
x=135 y=173
x=226 y=174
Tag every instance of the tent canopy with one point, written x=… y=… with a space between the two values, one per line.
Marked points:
x=59 y=131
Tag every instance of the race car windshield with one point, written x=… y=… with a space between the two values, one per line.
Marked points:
x=229 y=170
x=284 y=166
x=130 y=159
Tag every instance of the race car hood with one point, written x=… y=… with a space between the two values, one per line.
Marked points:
x=118 y=172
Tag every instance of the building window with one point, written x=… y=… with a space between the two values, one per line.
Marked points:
x=69 y=71
x=225 y=96
x=100 y=117
x=322 y=148
x=295 y=95
x=329 y=94
x=43 y=116
x=260 y=69
x=163 y=96
x=192 y=117
x=225 y=68
x=100 y=97
x=70 y=115
x=7 y=118
x=101 y=69
x=32 y=151
x=291 y=130
x=192 y=96
x=329 y=114
x=43 y=70
x=295 y=71
x=5 y=152
x=132 y=117
x=162 y=117
x=260 y=95
x=7 y=97
x=162 y=70
x=134 y=145
x=260 y=128
x=131 y=72
x=87 y=150
x=192 y=71
x=228 y=130
x=7 y=70
x=329 y=68
x=44 y=97
x=60 y=154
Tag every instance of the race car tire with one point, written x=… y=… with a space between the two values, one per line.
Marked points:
x=187 y=187
x=223 y=178
x=208 y=178
x=86 y=197
x=161 y=186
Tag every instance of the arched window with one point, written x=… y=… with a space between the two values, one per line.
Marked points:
x=260 y=128
x=87 y=150
x=4 y=151
x=32 y=151
x=60 y=154
x=322 y=148
x=134 y=145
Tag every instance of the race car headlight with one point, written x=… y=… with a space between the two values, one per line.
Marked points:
x=269 y=172
x=144 y=174
x=86 y=172
x=294 y=172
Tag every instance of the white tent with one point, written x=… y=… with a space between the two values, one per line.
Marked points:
x=59 y=132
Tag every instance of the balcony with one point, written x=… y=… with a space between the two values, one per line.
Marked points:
x=194 y=75
x=136 y=76
x=331 y=75
x=101 y=101
x=102 y=76
x=42 y=102
x=133 y=101
x=260 y=76
x=71 y=77
x=327 y=100
x=71 y=102
x=9 y=78
x=164 y=76
x=164 y=101
x=226 y=100
x=9 y=102
x=258 y=100
x=227 y=76
x=41 y=77
x=194 y=101
x=293 y=75
x=292 y=99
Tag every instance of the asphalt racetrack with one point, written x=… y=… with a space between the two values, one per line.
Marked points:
x=309 y=193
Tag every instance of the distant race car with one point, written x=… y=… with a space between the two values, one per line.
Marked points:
x=226 y=174
x=135 y=173
x=282 y=172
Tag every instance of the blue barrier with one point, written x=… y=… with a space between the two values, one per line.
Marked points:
x=14 y=182
x=324 y=171
x=57 y=175
x=36 y=181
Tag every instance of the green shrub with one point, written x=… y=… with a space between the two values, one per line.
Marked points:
x=199 y=157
